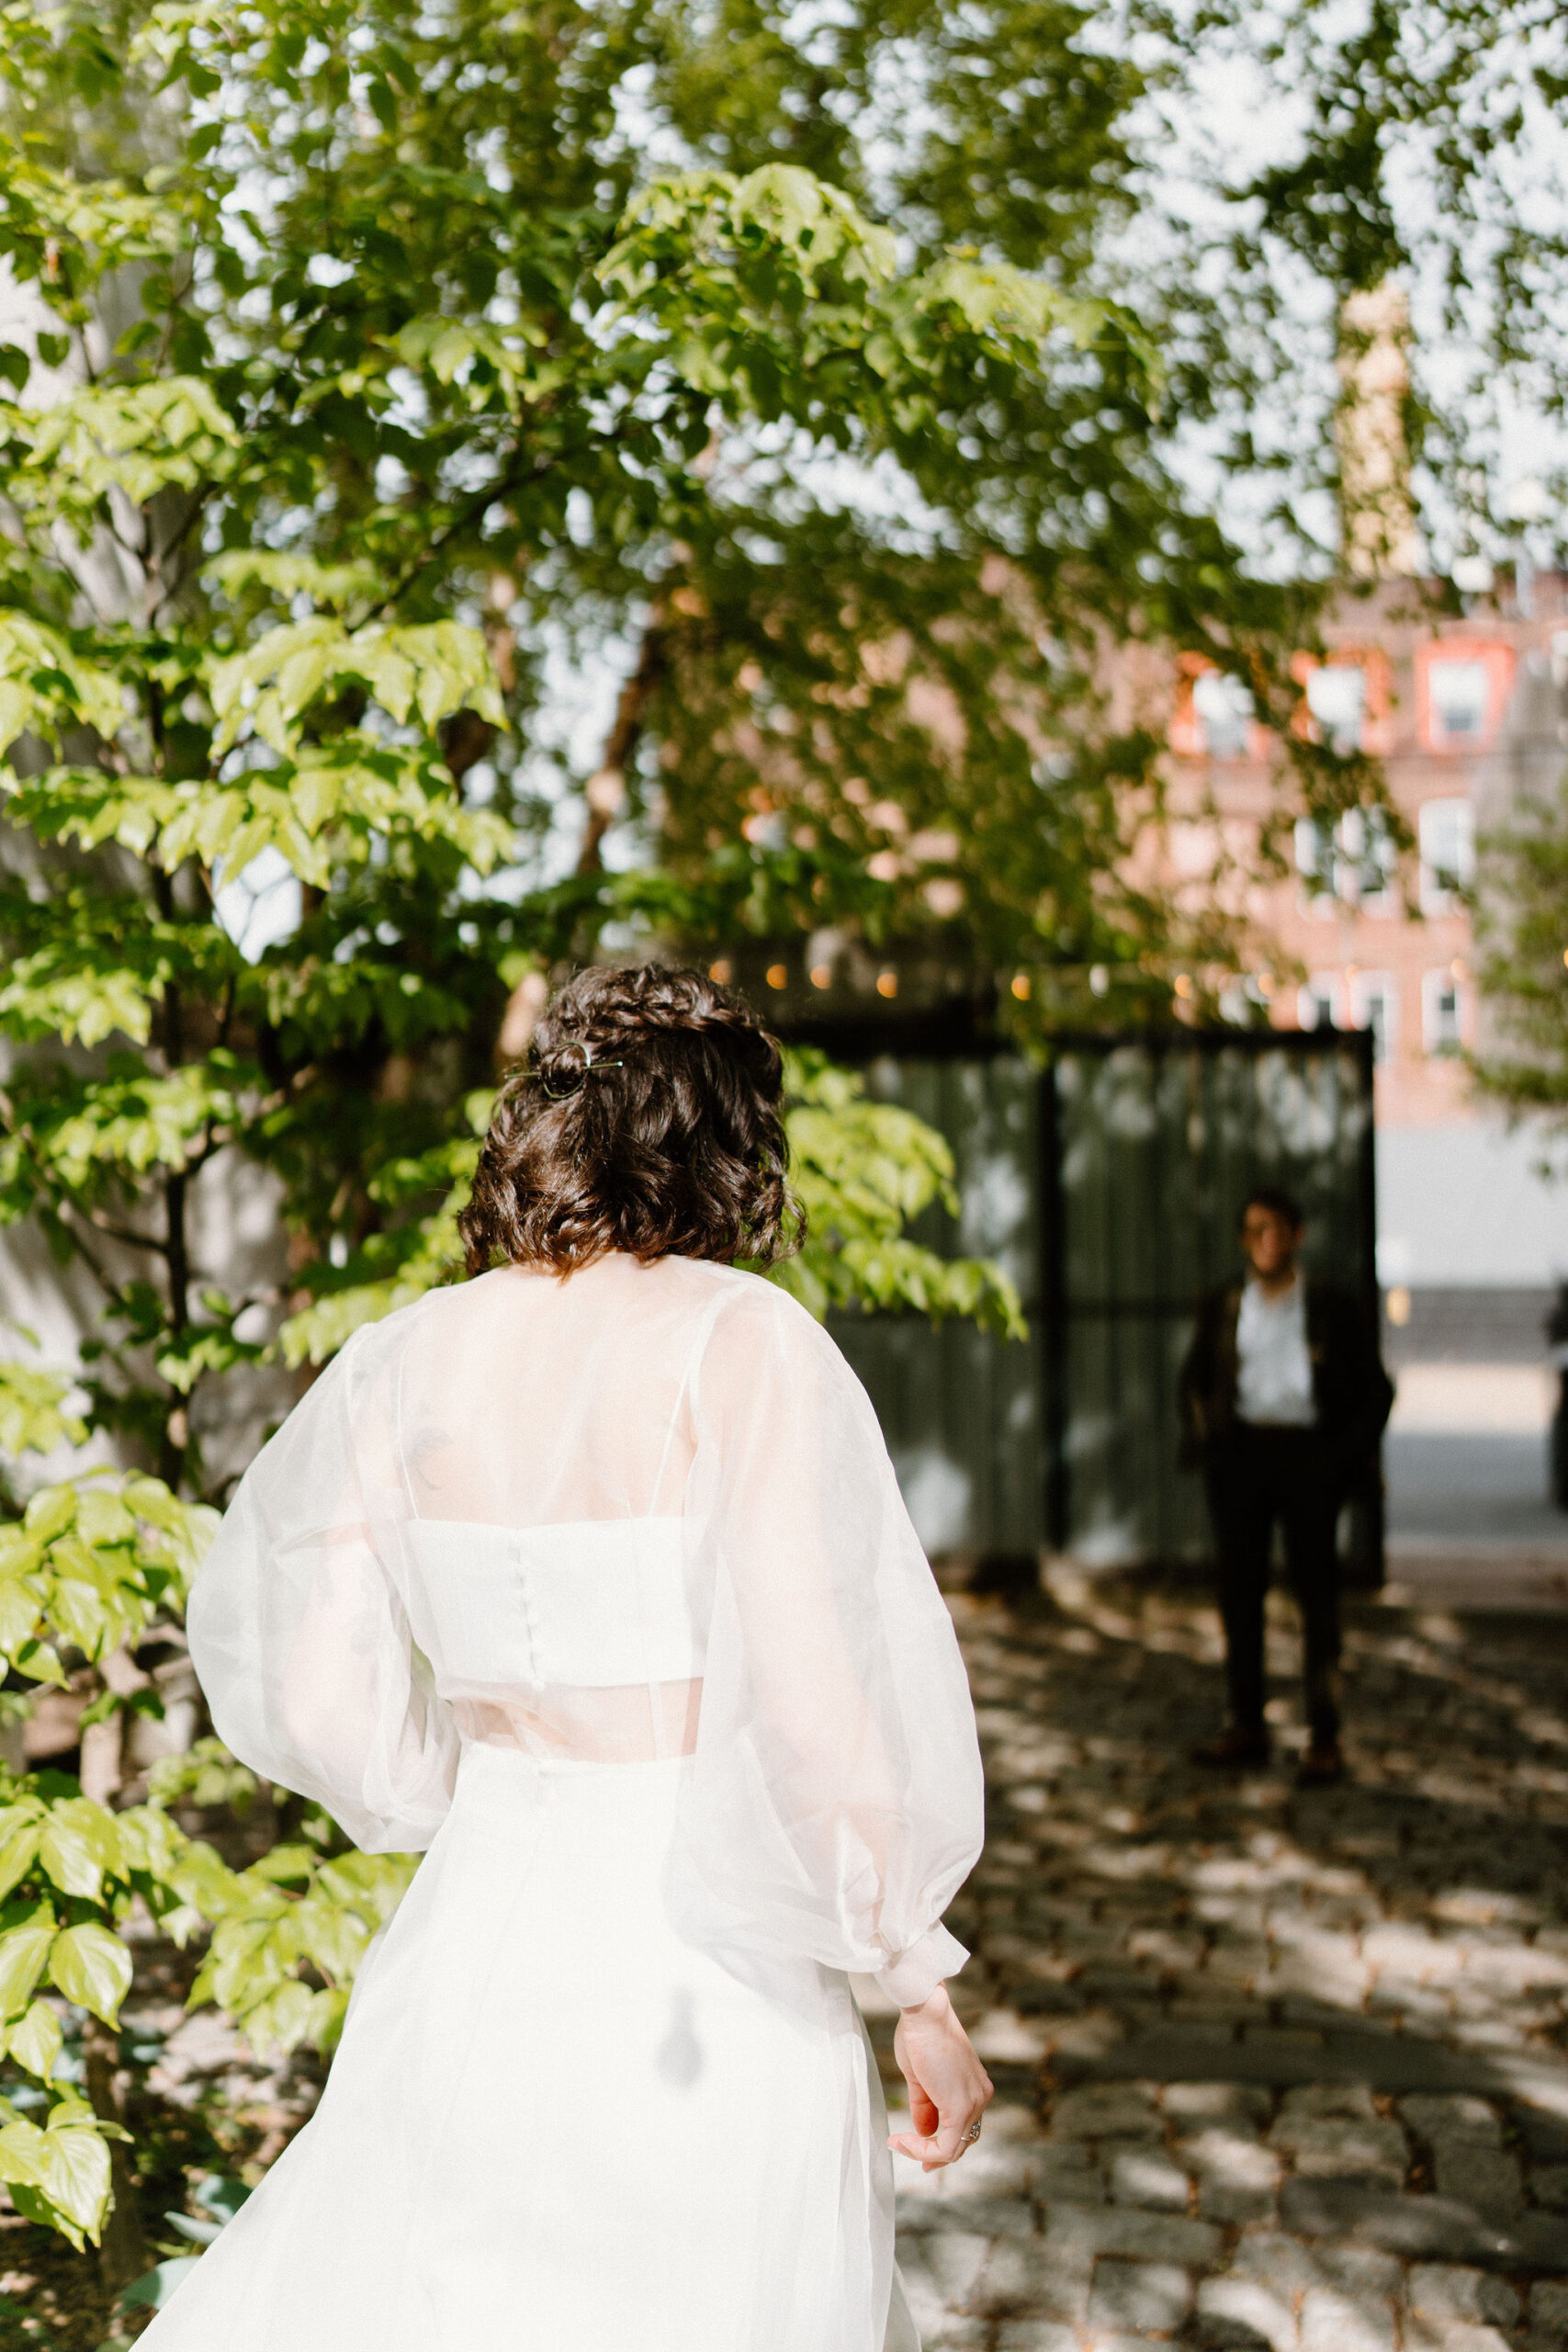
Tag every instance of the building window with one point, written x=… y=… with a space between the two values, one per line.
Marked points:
x=1314 y=858
x=1442 y=1012
x=1367 y=855
x=1462 y=691
x=1336 y=697
x=1321 y=1005
x=1447 y=853
x=1352 y=862
x=1346 y=701
x=1461 y=695
x=1223 y=709
x=1374 y=1005
x=1213 y=715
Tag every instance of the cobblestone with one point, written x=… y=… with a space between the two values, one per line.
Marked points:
x=1273 y=2071
x=1142 y=2177
x=1238 y=2179
x=1484 y=2177
x=1442 y=2293
x=1153 y=2298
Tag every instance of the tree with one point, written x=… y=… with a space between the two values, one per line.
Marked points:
x=1411 y=151
x=272 y=669
x=385 y=356
x=829 y=617
x=241 y=534
x=1523 y=1058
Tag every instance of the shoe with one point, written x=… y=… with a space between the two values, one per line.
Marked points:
x=1322 y=1767
x=1235 y=1749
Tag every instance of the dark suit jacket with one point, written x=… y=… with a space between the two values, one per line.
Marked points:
x=1352 y=1392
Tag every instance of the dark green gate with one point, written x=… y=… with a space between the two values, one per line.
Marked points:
x=1108 y=1183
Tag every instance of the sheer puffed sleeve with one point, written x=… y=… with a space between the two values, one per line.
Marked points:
x=297 y=1632
x=834 y=1803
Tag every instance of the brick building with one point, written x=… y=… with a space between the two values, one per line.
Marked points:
x=1468 y=713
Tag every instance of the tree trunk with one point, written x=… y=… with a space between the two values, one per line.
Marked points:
x=101 y=1748
x=607 y=789
x=123 y=2256
x=103 y=1745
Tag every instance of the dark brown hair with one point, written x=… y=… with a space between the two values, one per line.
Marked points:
x=1278 y=1201
x=646 y=1118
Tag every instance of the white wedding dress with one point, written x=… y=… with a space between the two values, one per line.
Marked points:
x=602 y=1591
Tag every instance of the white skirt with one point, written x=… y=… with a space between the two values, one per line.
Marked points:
x=553 y=2126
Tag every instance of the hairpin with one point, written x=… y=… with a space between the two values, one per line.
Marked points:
x=565 y=1093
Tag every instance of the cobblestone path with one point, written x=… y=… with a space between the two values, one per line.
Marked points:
x=1272 y=2069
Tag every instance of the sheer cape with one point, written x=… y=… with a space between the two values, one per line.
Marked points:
x=685 y=1437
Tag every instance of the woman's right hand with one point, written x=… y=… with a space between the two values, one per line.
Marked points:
x=949 y=2089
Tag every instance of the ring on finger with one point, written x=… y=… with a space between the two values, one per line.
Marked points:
x=970 y=2136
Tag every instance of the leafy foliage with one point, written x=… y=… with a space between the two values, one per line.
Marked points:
x=248 y=612
x=69 y=1872
x=1417 y=146
x=863 y=1170
x=295 y=1910
x=263 y=480
x=1524 y=963
x=374 y=362
x=89 y=1564
x=35 y=1416
x=287 y=1938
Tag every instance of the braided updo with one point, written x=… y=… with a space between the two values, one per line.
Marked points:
x=648 y=1119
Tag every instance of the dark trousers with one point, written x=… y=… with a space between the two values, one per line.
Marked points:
x=1255 y=1477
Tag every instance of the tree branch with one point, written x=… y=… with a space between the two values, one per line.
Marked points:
x=512 y=476
x=90 y=1259
x=158 y=557
x=133 y=1239
x=607 y=790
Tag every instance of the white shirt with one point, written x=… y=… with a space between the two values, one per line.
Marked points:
x=1273 y=1382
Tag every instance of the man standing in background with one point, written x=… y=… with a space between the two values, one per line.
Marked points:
x=1284 y=1396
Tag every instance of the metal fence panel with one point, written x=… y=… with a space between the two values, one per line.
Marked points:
x=962 y=1408
x=1157 y=1145
x=1108 y=1185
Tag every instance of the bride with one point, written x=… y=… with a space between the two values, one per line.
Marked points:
x=590 y=1576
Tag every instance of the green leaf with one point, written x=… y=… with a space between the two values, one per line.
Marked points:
x=330 y=584
x=140 y=438
x=324 y=2023
x=18 y=1614
x=152 y=2291
x=282 y=2020
x=19 y=1831
x=39 y=1662
x=23 y=1950
x=92 y=1968
x=76 y=2174
x=32 y=1415
x=51 y=1511
x=21 y=2156
x=78 y=1844
x=35 y=2042
x=45 y=684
